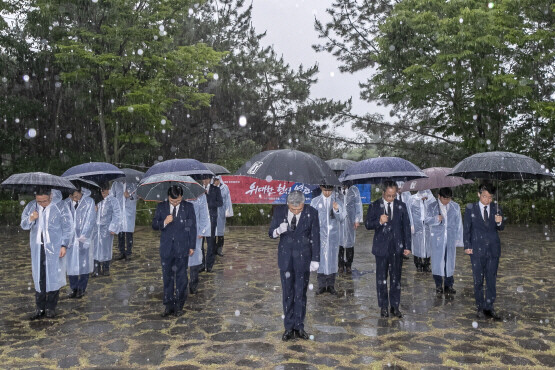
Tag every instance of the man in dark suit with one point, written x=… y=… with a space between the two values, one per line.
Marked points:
x=175 y=218
x=392 y=240
x=482 y=220
x=298 y=229
x=214 y=200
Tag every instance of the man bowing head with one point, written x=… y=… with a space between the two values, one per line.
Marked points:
x=298 y=229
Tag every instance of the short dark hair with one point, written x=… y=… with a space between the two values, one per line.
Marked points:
x=327 y=187
x=487 y=186
x=43 y=190
x=104 y=185
x=175 y=192
x=390 y=184
x=446 y=193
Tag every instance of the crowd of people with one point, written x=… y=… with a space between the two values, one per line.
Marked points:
x=74 y=237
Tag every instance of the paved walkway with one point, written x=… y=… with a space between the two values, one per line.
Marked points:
x=235 y=319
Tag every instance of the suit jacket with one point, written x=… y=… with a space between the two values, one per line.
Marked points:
x=179 y=235
x=393 y=235
x=214 y=200
x=301 y=245
x=480 y=235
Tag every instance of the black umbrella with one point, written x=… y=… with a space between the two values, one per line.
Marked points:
x=217 y=169
x=29 y=182
x=501 y=166
x=131 y=176
x=289 y=165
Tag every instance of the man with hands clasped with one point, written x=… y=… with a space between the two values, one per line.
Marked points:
x=298 y=229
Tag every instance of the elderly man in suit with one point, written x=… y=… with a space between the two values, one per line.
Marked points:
x=175 y=218
x=482 y=220
x=392 y=240
x=298 y=229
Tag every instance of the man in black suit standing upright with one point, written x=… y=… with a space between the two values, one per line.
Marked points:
x=214 y=200
x=389 y=218
x=175 y=218
x=482 y=220
x=298 y=229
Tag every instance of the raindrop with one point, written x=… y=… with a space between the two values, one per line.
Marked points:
x=391 y=47
x=22 y=202
x=31 y=133
x=282 y=317
x=151 y=288
x=533 y=206
x=130 y=109
x=474 y=324
x=216 y=76
x=4 y=79
x=94 y=1
x=17 y=120
x=190 y=11
x=242 y=121
x=310 y=286
x=332 y=74
x=261 y=211
x=490 y=5
x=161 y=27
x=160 y=158
x=269 y=178
x=488 y=141
x=311 y=337
x=140 y=51
x=163 y=122
x=461 y=20
x=475 y=117
x=26 y=78
x=68 y=136
x=520 y=289
x=290 y=173
x=287 y=274
x=125 y=302
x=58 y=84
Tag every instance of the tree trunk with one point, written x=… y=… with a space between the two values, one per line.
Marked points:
x=102 y=123
x=116 y=143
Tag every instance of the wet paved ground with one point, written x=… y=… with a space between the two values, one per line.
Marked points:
x=235 y=319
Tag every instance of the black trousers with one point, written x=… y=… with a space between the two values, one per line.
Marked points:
x=125 y=243
x=193 y=276
x=43 y=299
x=484 y=267
x=220 y=243
x=293 y=294
x=389 y=265
x=211 y=243
x=348 y=261
x=440 y=281
x=174 y=275
x=325 y=281
x=78 y=282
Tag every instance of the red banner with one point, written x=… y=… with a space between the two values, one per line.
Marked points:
x=248 y=190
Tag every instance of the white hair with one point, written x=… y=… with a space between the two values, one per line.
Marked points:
x=295 y=198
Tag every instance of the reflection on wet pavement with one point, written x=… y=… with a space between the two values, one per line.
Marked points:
x=235 y=319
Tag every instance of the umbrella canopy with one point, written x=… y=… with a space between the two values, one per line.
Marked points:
x=185 y=167
x=217 y=169
x=437 y=178
x=96 y=171
x=340 y=164
x=501 y=166
x=377 y=170
x=155 y=187
x=289 y=165
x=29 y=182
x=131 y=176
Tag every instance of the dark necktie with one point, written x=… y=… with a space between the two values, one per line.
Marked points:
x=294 y=222
x=389 y=210
x=41 y=232
x=76 y=204
x=486 y=213
x=174 y=212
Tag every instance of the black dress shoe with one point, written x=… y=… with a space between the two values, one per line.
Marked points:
x=439 y=290
x=332 y=290
x=395 y=312
x=384 y=312
x=320 y=291
x=348 y=270
x=220 y=252
x=167 y=312
x=80 y=294
x=480 y=314
x=37 y=314
x=302 y=334
x=288 y=335
x=179 y=313
x=492 y=314
x=208 y=270
x=120 y=257
x=73 y=294
x=340 y=270
x=405 y=257
x=450 y=290
x=193 y=290
x=50 y=313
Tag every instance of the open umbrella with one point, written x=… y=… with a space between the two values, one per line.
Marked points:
x=96 y=171
x=185 y=167
x=338 y=165
x=29 y=182
x=155 y=187
x=289 y=165
x=217 y=169
x=378 y=170
x=131 y=176
x=501 y=166
x=437 y=178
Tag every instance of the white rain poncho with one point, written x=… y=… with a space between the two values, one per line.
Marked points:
x=80 y=256
x=420 y=231
x=128 y=206
x=55 y=226
x=108 y=220
x=353 y=213
x=203 y=227
x=224 y=211
x=445 y=236
x=329 y=232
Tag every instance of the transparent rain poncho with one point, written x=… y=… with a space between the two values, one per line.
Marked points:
x=421 y=234
x=128 y=206
x=203 y=227
x=108 y=220
x=224 y=211
x=353 y=213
